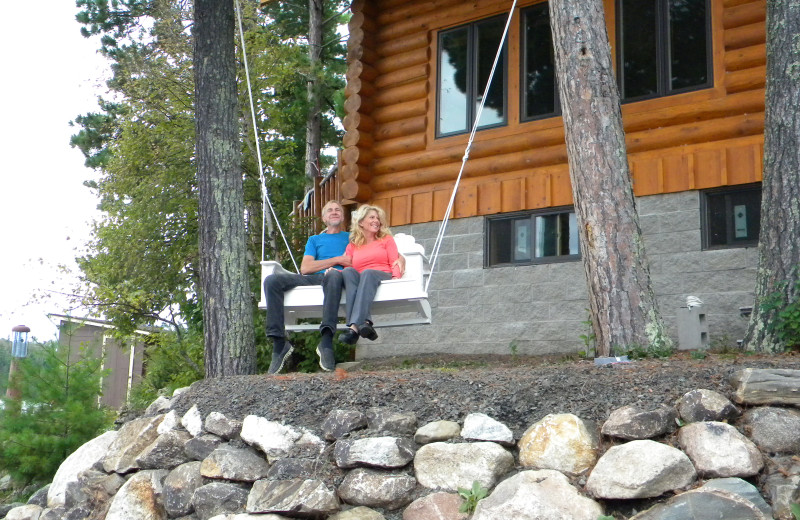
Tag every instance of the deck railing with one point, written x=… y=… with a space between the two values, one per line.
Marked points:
x=326 y=188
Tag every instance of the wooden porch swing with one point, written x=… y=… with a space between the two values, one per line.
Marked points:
x=398 y=302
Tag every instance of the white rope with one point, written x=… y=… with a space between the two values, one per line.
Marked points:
x=438 y=243
x=263 y=181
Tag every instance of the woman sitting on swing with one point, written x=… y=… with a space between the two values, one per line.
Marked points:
x=374 y=259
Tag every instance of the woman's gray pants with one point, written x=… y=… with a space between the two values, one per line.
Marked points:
x=360 y=289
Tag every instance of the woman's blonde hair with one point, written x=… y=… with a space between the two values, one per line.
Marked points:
x=357 y=234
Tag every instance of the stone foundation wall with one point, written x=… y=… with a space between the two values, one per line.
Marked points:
x=542 y=309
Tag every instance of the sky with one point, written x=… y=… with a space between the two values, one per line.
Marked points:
x=51 y=75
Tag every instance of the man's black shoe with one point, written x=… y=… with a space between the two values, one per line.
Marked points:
x=349 y=336
x=279 y=358
x=326 y=360
x=366 y=331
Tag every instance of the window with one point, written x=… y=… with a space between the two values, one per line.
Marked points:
x=531 y=237
x=732 y=217
x=664 y=47
x=539 y=93
x=465 y=59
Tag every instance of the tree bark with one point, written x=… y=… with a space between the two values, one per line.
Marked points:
x=622 y=302
x=227 y=307
x=778 y=246
x=313 y=123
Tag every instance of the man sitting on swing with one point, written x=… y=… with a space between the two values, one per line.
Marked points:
x=322 y=264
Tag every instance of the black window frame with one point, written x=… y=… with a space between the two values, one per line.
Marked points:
x=473 y=90
x=705 y=217
x=662 y=57
x=523 y=71
x=523 y=215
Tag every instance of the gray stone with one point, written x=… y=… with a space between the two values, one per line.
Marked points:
x=783 y=488
x=218 y=424
x=166 y=452
x=171 y=421
x=193 y=421
x=358 y=513
x=481 y=427
x=131 y=439
x=229 y=463
x=537 y=495
x=632 y=423
x=766 y=386
x=138 y=498
x=384 y=420
x=373 y=488
x=341 y=422
x=179 y=487
x=159 y=406
x=25 y=512
x=774 y=430
x=719 y=450
x=5 y=508
x=437 y=431
x=741 y=488
x=200 y=447
x=452 y=466
x=39 y=498
x=703 y=504
x=561 y=442
x=706 y=405
x=308 y=497
x=81 y=459
x=286 y=469
x=640 y=469
x=219 y=498
x=48 y=513
x=93 y=492
x=378 y=452
x=436 y=506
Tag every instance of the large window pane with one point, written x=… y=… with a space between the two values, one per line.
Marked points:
x=487 y=41
x=453 y=69
x=500 y=241
x=689 y=64
x=538 y=80
x=639 y=47
x=733 y=217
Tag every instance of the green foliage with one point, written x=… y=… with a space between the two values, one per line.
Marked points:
x=514 y=348
x=605 y=517
x=589 y=338
x=698 y=354
x=472 y=497
x=637 y=351
x=5 y=364
x=57 y=412
x=795 y=508
x=786 y=311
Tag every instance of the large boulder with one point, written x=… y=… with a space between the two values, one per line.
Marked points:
x=138 y=499
x=633 y=423
x=773 y=429
x=481 y=427
x=706 y=405
x=562 y=442
x=378 y=452
x=719 y=450
x=766 y=386
x=238 y=464
x=537 y=495
x=703 y=504
x=640 y=469
x=179 y=487
x=452 y=466
x=81 y=459
x=131 y=440
x=308 y=498
x=374 y=488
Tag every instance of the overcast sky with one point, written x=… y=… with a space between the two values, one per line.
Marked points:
x=51 y=74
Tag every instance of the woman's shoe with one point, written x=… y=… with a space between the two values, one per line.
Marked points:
x=366 y=331
x=349 y=336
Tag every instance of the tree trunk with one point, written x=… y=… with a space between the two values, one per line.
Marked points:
x=623 y=305
x=777 y=280
x=313 y=129
x=227 y=311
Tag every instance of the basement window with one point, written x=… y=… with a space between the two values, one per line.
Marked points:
x=531 y=238
x=731 y=216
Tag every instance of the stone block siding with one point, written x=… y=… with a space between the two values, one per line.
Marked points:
x=540 y=309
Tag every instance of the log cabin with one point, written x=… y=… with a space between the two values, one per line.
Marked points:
x=691 y=76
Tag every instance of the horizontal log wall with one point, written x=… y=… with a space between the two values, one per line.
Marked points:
x=712 y=137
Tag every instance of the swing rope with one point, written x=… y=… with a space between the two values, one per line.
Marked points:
x=264 y=194
x=440 y=236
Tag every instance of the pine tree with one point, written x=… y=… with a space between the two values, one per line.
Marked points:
x=56 y=413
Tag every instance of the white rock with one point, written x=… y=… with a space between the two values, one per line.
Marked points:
x=559 y=441
x=640 y=469
x=273 y=438
x=719 y=450
x=81 y=459
x=481 y=427
x=26 y=512
x=437 y=431
x=170 y=422
x=453 y=466
x=537 y=495
x=192 y=421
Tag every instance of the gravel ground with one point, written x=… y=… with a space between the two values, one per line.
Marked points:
x=517 y=391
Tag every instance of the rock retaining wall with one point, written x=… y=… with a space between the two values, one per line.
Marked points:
x=699 y=458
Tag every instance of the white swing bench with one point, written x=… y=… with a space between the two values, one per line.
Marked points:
x=398 y=302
